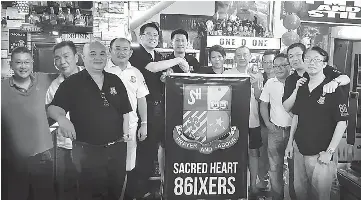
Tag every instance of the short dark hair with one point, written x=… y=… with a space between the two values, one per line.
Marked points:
x=18 y=50
x=319 y=50
x=294 y=45
x=178 y=31
x=243 y=47
x=151 y=24
x=64 y=44
x=270 y=52
x=113 y=40
x=280 y=55
x=217 y=48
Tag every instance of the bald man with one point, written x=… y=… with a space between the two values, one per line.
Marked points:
x=99 y=124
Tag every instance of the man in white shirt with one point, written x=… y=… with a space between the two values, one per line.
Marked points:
x=242 y=57
x=65 y=60
x=137 y=90
x=278 y=122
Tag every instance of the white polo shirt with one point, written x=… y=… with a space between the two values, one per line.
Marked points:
x=134 y=82
x=61 y=141
x=272 y=93
x=253 y=111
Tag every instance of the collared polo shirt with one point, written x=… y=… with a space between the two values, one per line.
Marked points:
x=192 y=62
x=135 y=84
x=272 y=93
x=140 y=59
x=253 y=111
x=97 y=115
x=61 y=141
x=318 y=115
x=290 y=84
x=24 y=124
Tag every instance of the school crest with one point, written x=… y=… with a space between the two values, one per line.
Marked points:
x=206 y=119
x=113 y=91
x=133 y=79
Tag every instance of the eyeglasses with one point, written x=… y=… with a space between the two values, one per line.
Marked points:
x=280 y=66
x=105 y=101
x=151 y=35
x=27 y=62
x=315 y=60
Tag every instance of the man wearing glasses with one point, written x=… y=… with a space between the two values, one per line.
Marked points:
x=27 y=153
x=99 y=124
x=278 y=122
x=137 y=90
x=150 y=64
x=300 y=76
x=65 y=60
x=318 y=125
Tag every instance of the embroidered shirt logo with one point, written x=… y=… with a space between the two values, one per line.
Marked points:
x=133 y=79
x=343 y=110
x=113 y=91
x=321 y=100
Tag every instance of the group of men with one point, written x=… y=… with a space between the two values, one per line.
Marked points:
x=98 y=143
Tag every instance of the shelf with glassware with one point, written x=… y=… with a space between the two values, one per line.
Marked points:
x=62 y=19
x=257 y=45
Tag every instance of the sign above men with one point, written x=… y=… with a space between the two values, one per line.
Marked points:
x=250 y=42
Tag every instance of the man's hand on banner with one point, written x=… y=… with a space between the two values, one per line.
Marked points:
x=66 y=128
x=289 y=150
x=183 y=64
x=142 y=132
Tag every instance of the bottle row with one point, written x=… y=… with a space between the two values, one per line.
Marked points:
x=228 y=27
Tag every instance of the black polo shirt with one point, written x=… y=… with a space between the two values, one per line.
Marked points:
x=206 y=70
x=95 y=121
x=290 y=84
x=318 y=115
x=141 y=58
x=192 y=62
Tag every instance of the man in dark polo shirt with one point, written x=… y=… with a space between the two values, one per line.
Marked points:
x=317 y=127
x=99 y=123
x=150 y=64
x=300 y=76
x=179 y=39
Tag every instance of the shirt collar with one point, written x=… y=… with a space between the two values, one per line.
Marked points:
x=110 y=64
x=32 y=78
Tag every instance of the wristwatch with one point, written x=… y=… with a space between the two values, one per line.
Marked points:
x=337 y=81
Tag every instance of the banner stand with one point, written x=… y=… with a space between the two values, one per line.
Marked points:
x=206 y=144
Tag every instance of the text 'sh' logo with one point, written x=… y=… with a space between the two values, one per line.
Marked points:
x=195 y=94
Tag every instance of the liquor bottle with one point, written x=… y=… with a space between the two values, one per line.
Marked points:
x=34 y=17
x=240 y=30
x=229 y=28
x=79 y=20
x=235 y=28
x=69 y=18
x=61 y=17
x=224 y=27
x=53 y=18
x=45 y=18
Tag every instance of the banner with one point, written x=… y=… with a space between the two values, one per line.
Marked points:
x=232 y=42
x=206 y=136
x=17 y=38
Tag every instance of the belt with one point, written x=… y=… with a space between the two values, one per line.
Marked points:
x=281 y=127
x=100 y=145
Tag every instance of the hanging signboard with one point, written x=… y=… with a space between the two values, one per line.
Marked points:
x=77 y=37
x=232 y=42
x=206 y=137
x=333 y=12
x=17 y=38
